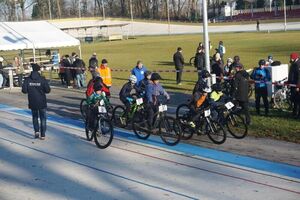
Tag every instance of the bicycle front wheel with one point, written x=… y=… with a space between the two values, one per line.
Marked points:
x=118 y=117
x=215 y=132
x=236 y=126
x=182 y=111
x=139 y=125
x=169 y=130
x=104 y=133
x=83 y=109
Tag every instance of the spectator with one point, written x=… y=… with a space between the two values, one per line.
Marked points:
x=62 y=74
x=93 y=65
x=3 y=74
x=139 y=71
x=294 y=78
x=73 y=71
x=271 y=62
x=221 y=50
x=199 y=61
x=19 y=70
x=261 y=75
x=217 y=68
x=179 y=64
x=241 y=89
x=105 y=73
x=257 y=25
x=37 y=87
x=236 y=62
x=79 y=66
x=228 y=67
x=67 y=65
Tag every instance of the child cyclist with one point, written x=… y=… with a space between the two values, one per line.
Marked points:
x=153 y=91
x=145 y=82
x=125 y=93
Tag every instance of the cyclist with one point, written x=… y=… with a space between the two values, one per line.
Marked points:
x=125 y=93
x=97 y=81
x=145 y=82
x=153 y=91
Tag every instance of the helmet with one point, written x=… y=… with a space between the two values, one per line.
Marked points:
x=205 y=74
x=147 y=73
x=230 y=60
x=155 y=76
x=294 y=56
x=216 y=87
x=132 y=79
x=261 y=62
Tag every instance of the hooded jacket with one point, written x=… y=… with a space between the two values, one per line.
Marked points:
x=36 y=87
x=241 y=86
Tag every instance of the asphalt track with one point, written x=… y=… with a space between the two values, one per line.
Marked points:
x=66 y=166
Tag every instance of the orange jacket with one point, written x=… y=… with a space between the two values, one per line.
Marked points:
x=105 y=74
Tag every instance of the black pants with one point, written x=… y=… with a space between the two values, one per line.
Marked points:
x=261 y=92
x=36 y=114
x=92 y=117
x=151 y=110
x=179 y=75
x=245 y=111
x=295 y=99
x=68 y=77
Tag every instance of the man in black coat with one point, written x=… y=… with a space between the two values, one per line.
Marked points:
x=79 y=66
x=37 y=87
x=294 y=78
x=93 y=64
x=241 y=89
x=199 y=61
x=179 y=63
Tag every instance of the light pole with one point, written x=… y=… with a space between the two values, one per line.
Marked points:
x=79 y=9
x=168 y=13
x=205 y=36
x=103 y=10
x=284 y=10
x=49 y=5
x=131 y=16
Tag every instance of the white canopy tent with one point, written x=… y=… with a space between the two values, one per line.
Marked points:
x=33 y=35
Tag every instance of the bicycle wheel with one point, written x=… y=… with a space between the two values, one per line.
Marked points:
x=250 y=92
x=118 y=117
x=139 y=125
x=169 y=130
x=88 y=133
x=280 y=101
x=215 y=132
x=182 y=111
x=186 y=129
x=104 y=133
x=236 y=126
x=83 y=109
x=192 y=59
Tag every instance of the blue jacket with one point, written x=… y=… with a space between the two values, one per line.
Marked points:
x=262 y=75
x=139 y=73
x=153 y=91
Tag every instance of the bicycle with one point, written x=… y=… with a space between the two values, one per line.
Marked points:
x=102 y=133
x=119 y=116
x=282 y=97
x=212 y=128
x=168 y=127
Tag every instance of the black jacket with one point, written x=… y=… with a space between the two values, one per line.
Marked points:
x=199 y=61
x=217 y=69
x=126 y=91
x=93 y=62
x=178 y=60
x=294 y=73
x=36 y=87
x=241 y=86
x=79 y=65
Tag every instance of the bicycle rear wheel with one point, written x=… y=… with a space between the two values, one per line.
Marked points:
x=169 y=130
x=139 y=125
x=186 y=129
x=118 y=117
x=83 y=108
x=215 y=132
x=104 y=133
x=280 y=101
x=236 y=126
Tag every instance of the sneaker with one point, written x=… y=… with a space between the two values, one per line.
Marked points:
x=192 y=124
x=69 y=87
x=36 y=135
x=42 y=138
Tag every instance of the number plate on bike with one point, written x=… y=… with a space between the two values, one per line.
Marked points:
x=207 y=113
x=163 y=108
x=139 y=101
x=229 y=105
x=102 y=102
x=102 y=109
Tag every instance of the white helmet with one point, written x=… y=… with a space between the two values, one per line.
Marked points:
x=1 y=59
x=132 y=79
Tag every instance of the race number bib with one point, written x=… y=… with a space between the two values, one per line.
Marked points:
x=229 y=105
x=163 y=108
x=102 y=109
x=139 y=101
x=207 y=113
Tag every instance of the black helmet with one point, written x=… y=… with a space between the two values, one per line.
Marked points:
x=147 y=73
x=104 y=61
x=216 y=87
x=155 y=76
x=261 y=62
x=205 y=74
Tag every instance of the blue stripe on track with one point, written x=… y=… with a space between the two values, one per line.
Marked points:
x=245 y=161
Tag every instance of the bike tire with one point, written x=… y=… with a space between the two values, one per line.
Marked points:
x=236 y=125
x=216 y=132
x=170 y=130
x=187 y=131
x=139 y=124
x=182 y=110
x=104 y=133
x=83 y=109
x=118 y=117
x=191 y=61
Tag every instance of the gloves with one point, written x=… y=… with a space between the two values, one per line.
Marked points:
x=129 y=99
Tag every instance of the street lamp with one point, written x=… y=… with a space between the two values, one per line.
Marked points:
x=49 y=4
x=205 y=35
x=168 y=13
x=79 y=10
x=131 y=16
x=284 y=10
x=103 y=10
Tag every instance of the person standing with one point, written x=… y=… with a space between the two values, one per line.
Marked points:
x=179 y=64
x=241 y=89
x=294 y=78
x=80 y=70
x=217 y=68
x=19 y=70
x=3 y=74
x=221 y=50
x=37 y=87
x=139 y=71
x=199 y=61
x=257 y=25
x=93 y=65
x=105 y=73
x=261 y=76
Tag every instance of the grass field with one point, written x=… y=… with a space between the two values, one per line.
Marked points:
x=156 y=53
